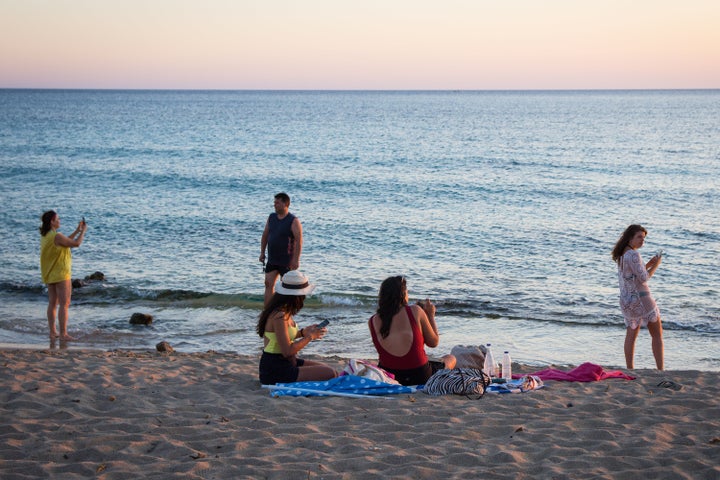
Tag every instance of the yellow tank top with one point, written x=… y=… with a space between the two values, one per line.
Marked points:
x=55 y=261
x=272 y=346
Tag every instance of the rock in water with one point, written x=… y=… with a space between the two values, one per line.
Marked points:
x=95 y=277
x=141 y=319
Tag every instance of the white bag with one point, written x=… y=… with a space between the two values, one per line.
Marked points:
x=364 y=369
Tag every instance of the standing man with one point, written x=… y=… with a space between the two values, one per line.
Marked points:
x=283 y=239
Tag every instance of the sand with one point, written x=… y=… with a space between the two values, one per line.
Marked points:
x=75 y=414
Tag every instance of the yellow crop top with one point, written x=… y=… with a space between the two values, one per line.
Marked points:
x=272 y=346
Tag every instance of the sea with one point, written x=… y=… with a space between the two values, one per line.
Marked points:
x=501 y=207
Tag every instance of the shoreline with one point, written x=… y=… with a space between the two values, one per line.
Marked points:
x=77 y=413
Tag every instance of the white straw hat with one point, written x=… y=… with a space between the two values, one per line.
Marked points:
x=294 y=283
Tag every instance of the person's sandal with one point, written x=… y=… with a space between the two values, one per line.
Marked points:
x=670 y=384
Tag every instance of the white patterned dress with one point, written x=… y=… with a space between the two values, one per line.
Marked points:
x=636 y=302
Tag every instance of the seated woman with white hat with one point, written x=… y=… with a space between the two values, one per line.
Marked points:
x=283 y=340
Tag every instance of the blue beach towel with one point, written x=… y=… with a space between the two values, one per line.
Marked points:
x=343 y=386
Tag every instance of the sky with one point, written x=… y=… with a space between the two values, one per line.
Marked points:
x=360 y=45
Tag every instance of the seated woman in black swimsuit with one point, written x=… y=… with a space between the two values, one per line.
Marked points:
x=400 y=332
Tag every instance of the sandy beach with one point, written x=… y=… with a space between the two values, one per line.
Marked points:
x=75 y=414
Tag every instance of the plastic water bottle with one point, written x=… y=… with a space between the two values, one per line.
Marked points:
x=507 y=366
x=490 y=364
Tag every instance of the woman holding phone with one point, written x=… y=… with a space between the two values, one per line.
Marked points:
x=282 y=338
x=636 y=302
x=56 y=268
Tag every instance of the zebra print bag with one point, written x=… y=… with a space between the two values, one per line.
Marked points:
x=458 y=381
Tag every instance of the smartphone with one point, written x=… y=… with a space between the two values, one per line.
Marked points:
x=323 y=324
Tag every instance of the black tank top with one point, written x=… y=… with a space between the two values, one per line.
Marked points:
x=280 y=239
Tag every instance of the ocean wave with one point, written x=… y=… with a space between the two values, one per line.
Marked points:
x=19 y=288
x=356 y=305
x=702 y=235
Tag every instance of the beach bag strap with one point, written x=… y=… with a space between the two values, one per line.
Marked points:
x=470 y=382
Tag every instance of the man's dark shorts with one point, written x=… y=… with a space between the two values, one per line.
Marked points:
x=281 y=269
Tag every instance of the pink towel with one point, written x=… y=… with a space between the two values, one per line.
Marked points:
x=587 y=372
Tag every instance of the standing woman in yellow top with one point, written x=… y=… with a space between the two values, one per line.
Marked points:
x=56 y=266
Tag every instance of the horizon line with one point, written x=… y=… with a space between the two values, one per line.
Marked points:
x=116 y=89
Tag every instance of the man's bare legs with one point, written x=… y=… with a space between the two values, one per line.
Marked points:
x=270 y=279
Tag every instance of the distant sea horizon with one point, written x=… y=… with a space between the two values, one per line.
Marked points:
x=350 y=90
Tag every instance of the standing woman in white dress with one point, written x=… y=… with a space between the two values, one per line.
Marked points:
x=636 y=302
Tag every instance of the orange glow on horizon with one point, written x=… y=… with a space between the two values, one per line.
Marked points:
x=325 y=44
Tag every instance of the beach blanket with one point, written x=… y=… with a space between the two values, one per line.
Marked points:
x=343 y=386
x=587 y=372
x=523 y=384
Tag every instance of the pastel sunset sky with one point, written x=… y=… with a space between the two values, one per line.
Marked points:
x=362 y=44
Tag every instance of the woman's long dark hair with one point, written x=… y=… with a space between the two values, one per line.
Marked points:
x=47 y=219
x=391 y=299
x=624 y=240
x=290 y=304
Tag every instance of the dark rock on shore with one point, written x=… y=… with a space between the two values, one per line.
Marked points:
x=141 y=319
x=164 y=347
x=95 y=277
